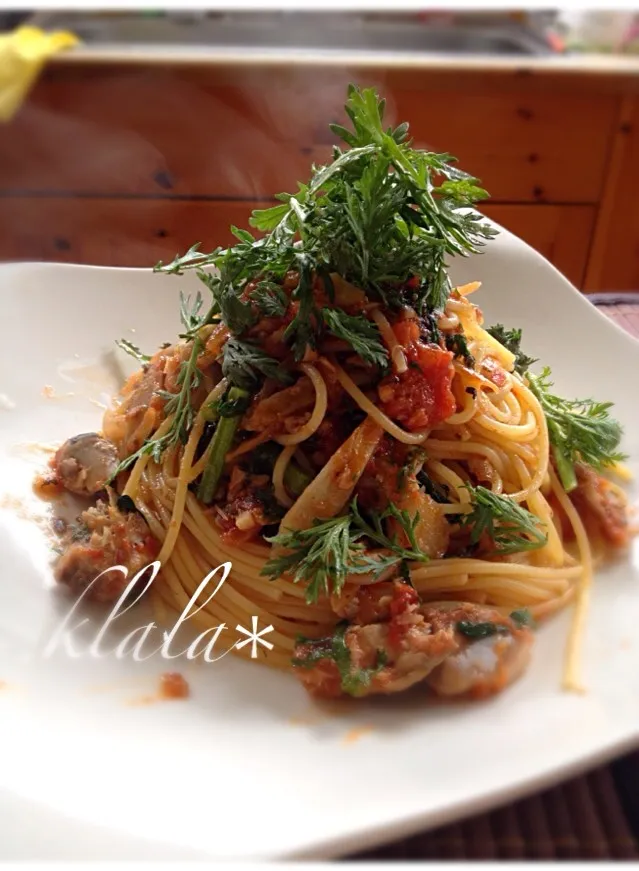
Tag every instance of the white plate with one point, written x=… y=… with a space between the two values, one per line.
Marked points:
x=248 y=767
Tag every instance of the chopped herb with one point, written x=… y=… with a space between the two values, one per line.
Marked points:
x=580 y=430
x=301 y=331
x=353 y=680
x=243 y=363
x=178 y=406
x=362 y=335
x=132 y=350
x=511 y=340
x=325 y=554
x=193 y=258
x=375 y=531
x=320 y=557
x=438 y=492
x=232 y=406
x=190 y=313
x=456 y=342
x=509 y=526
x=522 y=617
x=477 y=631
x=270 y=299
x=236 y=314
x=383 y=215
x=126 y=505
x=319 y=649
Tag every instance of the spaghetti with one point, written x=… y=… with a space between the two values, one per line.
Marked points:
x=399 y=497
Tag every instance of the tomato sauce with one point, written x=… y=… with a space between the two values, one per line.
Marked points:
x=404 y=599
x=173 y=686
x=421 y=397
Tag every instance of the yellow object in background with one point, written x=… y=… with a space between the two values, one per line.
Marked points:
x=23 y=53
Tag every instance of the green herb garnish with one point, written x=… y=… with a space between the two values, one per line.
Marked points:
x=353 y=681
x=179 y=407
x=362 y=335
x=125 y=505
x=301 y=332
x=476 y=631
x=245 y=364
x=509 y=526
x=522 y=617
x=270 y=298
x=383 y=215
x=190 y=315
x=580 y=430
x=511 y=340
x=459 y=346
x=132 y=350
x=324 y=555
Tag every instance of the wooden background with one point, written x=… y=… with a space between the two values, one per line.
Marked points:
x=125 y=165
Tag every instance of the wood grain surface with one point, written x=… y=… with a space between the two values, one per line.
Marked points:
x=124 y=164
x=157 y=131
x=140 y=231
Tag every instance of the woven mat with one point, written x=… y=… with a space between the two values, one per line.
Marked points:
x=592 y=817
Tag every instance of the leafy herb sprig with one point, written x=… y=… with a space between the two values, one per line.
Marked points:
x=132 y=350
x=362 y=335
x=580 y=430
x=322 y=556
x=511 y=340
x=179 y=406
x=382 y=213
x=458 y=344
x=190 y=314
x=510 y=527
x=270 y=299
x=375 y=531
x=245 y=364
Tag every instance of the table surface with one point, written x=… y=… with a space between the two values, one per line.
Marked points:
x=595 y=816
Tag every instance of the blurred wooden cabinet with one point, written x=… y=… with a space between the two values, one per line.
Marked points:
x=126 y=165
